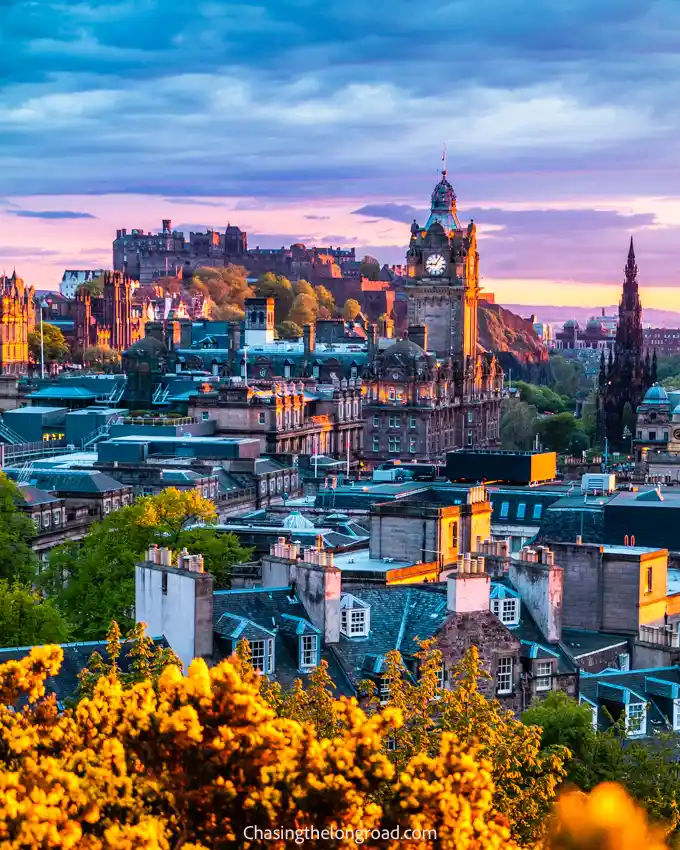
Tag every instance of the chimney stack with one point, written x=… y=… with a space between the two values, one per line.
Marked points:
x=176 y=602
x=540 y=584
x=309 y=339
x=418 y=334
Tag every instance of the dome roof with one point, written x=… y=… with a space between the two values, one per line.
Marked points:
x=656 y=394
x=149 y=346
x=296 y=520
x=403 y=352
x=572 y=323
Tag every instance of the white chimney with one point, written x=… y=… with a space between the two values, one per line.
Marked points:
x=468 y=592
x=176 y=603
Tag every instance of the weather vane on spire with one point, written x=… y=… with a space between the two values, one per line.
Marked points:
x=444 y=160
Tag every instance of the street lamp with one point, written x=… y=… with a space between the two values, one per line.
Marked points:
x=42 y=304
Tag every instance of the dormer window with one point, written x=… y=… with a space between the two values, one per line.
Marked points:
x=355 y=616
x=262 y=655
x=507 y=610
x=309 y=651
x=636 y=719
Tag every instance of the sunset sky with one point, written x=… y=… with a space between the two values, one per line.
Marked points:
x=323 y=122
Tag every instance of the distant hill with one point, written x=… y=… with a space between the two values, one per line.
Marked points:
x=513 y=340
x=558 y=315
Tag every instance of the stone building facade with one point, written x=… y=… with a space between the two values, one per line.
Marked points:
x=147 y=256
x=288 y=418
x=17 y=320
x=105 y=320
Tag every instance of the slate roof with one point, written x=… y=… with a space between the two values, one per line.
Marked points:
x=399 y=615
x=63 y=392
x=271 y=609
x=657 y=686
x=581 y=642
x=76 y=657
x=75 y=481
x=34 y=496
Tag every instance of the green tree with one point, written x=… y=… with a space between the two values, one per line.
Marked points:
x=55 y=345
x=578 y=442
x=17 y=559
x=101 y=355
x=27 y=619
x=304 y=287
x=93 y=581
x=517 y=425
x=557 y=431
x=649 y=772
x=279 y=288
x=224 y=286
x=566 y=374
x=304 y=310
x=289 y=330
x=325 y=299
x=351 y=309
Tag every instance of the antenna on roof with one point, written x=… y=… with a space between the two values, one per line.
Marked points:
x=444 y=160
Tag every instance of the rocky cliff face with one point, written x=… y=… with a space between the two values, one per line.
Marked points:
x=513 y=340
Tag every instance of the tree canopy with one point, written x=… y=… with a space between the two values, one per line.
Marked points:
x=351 y=309
x=517 y=425
x=101 y=355
x=93 y=581
x=17 y=559
x=55 y=345
x=27 y=618
x=205 y=761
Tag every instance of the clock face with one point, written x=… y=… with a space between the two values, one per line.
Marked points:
x=676 y=434
x=435 y=264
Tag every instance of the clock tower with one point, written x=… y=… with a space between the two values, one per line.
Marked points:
x=443 y=278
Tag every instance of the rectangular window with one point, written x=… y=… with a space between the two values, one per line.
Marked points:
x=521 y=510
x=543 y=676
x=470 y=416
x=652 y=435
x=357 y=622
x=454 y=535
x=624 y=661
x=376 y=420
x=46 y=520
x=385 y=688
x=56 y=519
x=390 y=394
x=496 y=607
x=258 y=656
x=650 y=575
x=538 y=509
x=505 y=509
x=376 y=444
x=262 y=418
x=441 y=677
x=504 y=675
x=469 y=438
x=636 y=718
x=676 y=714
x=205 y=415
x=639 y=435
x=164 y=584
x=107 y=506
x=510 y=611
x=394 y=445
x=394 y=422
x=412 y=422
x=665 y=436
x=310 y=645
x=412 y=445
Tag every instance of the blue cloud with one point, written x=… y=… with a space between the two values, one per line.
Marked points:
x=50 y=214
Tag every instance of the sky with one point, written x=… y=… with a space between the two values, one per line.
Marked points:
x=324 y=122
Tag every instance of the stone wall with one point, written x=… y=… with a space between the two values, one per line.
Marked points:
x=493 y=641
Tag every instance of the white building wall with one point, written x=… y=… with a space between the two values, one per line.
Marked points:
x=172 y=615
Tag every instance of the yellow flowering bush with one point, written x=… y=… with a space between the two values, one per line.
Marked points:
x=199 y=761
